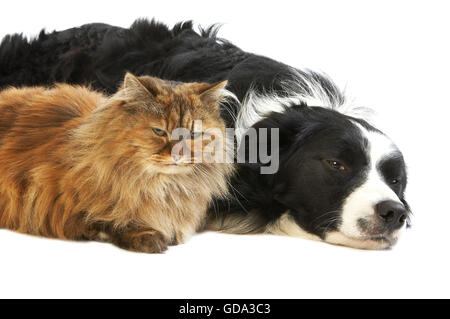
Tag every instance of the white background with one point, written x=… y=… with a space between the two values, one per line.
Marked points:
x=390 y=55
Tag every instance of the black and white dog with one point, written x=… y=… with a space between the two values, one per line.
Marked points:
x=340 y=180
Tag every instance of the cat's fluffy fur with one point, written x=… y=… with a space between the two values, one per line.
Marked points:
x=76 y=164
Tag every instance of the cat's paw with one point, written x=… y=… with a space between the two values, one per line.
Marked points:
x=151 y=242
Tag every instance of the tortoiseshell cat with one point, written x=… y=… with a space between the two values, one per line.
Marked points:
x=75 y=164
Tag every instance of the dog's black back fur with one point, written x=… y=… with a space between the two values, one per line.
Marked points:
x=99 y=55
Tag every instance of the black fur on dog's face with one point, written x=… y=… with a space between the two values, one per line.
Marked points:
x=337 y=174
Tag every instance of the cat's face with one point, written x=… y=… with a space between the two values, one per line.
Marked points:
x=172 y=128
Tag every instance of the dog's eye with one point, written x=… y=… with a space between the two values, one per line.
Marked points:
x=394 y=181
x=159 y=132
x=336 y=165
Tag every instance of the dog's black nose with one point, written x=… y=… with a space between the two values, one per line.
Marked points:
x=392 y=213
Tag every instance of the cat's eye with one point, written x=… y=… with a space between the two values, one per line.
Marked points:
x=159 y=132
x=194 y=135
x=335 y=165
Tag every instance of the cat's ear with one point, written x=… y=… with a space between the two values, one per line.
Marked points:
x=142 y=84
x=212 y=93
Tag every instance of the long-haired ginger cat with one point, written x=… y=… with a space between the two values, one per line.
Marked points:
x=75 y=164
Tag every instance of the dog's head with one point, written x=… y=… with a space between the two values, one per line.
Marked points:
x=341 y=179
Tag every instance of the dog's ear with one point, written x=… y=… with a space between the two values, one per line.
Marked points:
x=277 y=128
x=266 y=144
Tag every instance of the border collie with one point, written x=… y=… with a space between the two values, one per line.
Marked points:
x=340 y=180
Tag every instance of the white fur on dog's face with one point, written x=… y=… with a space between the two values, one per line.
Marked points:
x=360 y=204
